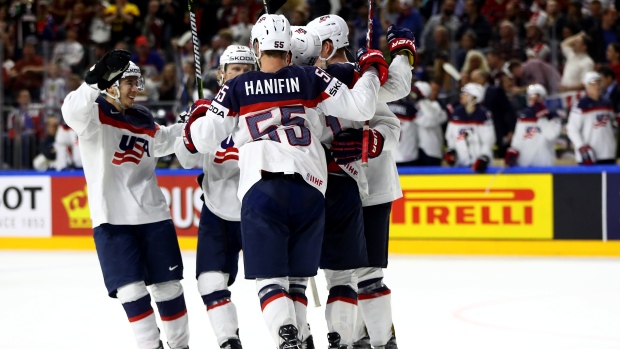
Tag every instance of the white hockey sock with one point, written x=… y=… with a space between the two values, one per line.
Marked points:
x=359 y=330
x=137 y=304
x=297 y=290
x=341 y=307
x=277 y=305
x=375 y=301
x=173 y=312
x=213 y=287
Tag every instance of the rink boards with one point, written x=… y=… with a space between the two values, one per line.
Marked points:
x=535 y=211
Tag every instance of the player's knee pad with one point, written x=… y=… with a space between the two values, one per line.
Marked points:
x=341 y=278
x=166 y=291
x=131 y=292
x=264 y=286
x=212 y=281
x=364 y=274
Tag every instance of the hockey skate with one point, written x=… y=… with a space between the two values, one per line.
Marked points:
x=333 y=339
x=289 y=334
x=308 y=343
x=232 y=343
x=363 y=343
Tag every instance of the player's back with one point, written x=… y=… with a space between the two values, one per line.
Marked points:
x=278 y=127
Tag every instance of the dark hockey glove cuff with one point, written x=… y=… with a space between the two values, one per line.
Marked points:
x=481 y=164
x=587 y=155
x=511 y=157
x=372 y=58
x=450 y=157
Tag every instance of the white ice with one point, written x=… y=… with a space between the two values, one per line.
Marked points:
x=58 y=300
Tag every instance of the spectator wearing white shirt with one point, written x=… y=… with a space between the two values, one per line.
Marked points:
x=578 y=62
x=69 y=53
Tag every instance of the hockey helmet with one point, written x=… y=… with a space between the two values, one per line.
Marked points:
x=475 y=91
x=236 y=54
x=537 y=89
x=133 y=70
x=424 y=88
x=331 y=27
x=305 y=46
x=271 y=33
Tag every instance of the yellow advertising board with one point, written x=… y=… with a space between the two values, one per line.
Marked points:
x=460 y=207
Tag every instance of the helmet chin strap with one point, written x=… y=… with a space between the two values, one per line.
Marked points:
x=324 y=60
x=116 y=98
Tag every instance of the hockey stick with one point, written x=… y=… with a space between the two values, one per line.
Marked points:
x=500 y=171
x=366 y=130
x=315 y=293
x=196 y=43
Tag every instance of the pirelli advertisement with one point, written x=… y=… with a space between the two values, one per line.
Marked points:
x=509 y=206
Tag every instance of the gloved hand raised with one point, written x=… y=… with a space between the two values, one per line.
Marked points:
x=109 y=69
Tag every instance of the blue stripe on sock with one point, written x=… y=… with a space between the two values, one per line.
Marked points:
x=216 y=297
x=138 y=307
x=172 y=307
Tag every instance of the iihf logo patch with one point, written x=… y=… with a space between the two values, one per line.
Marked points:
x=601 y=120
x=132 y=150
x=227 y=151
x=531 y=132
x=323 y=19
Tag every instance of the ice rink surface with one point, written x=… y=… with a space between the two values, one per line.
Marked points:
x=58 y=300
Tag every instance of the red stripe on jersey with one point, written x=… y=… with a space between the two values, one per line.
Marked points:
x=174 y=317
x=141 y=316
x=308 y=103
x=609 y=109
x=106 y=120
x=534 y=120
x=373 y=295
x=218 y=304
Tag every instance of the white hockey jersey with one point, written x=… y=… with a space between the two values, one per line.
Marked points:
x=119 y=153
x=221 y=171
x=381 y=175
x=470 y=135
x=278 y=126
x=590 y=123
x=67 y=147
x=428 y=120
x=535 y=135
x=408 y=147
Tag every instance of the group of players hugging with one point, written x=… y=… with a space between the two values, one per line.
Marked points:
x=281 y=147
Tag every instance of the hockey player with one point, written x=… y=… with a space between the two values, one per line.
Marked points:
x=379 y=185
x=590 y=125
x=67 y=148
x=537 y=130
x=421 y=136
x=135 y=238
x=282 y=164
x=470 y=134
x=219 y=231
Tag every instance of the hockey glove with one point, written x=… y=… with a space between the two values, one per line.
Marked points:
x=587 y=155
x=109 y=69
x=401 y=41
x=481 y=164
x=511 y=157
x=347 y=145
x=198 y=110
x=372 y=58
x=450 y=157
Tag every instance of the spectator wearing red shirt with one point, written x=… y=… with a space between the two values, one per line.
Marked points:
x=148 y=60
x=28 y=72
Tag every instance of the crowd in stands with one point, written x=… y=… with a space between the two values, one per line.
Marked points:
x=503 y=45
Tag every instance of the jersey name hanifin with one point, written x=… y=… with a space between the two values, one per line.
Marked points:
x=269 y=86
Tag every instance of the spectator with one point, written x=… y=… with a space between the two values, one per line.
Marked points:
x=100 y=30
x=47 y=153
x=535 y=29
x=60 y=9
x=578 y=63
x=429 y=119
x=574 y=16
x=496 y=64
x=556 y=19
x=405 y=109
x=494 y=10
x=149 y=61
x=122 y=17
x=69 y=54
x=441 y=46
x=445 y=19
x=604 y=34
x=595 y=14
x=610 y=87
x=360 y=25
x=53 y=91
x=475 y=60
x=243 y=29
x=536 y=132
x=168 y=86
x=153 y=25
x=496 y=101
x=476 y=22
x=516 y=16
x=613 y=57
x=590 y=125
x=226 y=13
x=466 y=44
x=28 y=72
x=535 y=71
x=23 y=126
x=409 y=17
x=78 y=19
x=508 y=45
x=46 y=27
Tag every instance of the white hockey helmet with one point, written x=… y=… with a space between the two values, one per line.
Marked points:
x=424 y=88
x=133 y=70
x=305 y=46
x=475 y=91
x=271 y=33
x=331 y=27
x=537 y=89
x=237 y=54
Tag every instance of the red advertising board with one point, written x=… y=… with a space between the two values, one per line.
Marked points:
x=71 y=211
